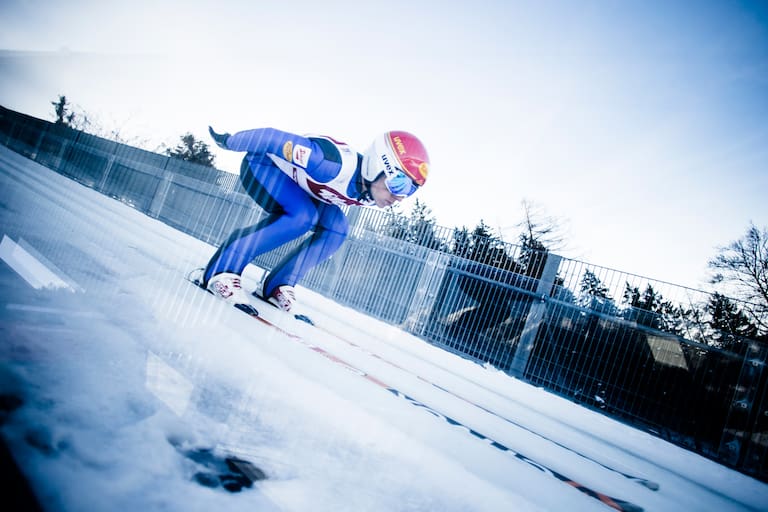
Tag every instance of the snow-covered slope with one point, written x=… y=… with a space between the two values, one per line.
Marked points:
x=128 y=374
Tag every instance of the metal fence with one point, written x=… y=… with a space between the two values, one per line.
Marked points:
x=637 y=349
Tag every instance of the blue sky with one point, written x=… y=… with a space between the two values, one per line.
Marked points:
x=642 y=126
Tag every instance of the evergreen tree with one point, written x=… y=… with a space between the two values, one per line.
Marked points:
x=462 y=243
x=593 y=294
x=63 y=111
x=192 y=150
x=491 y=250
x=65 y=115
x=482 y=246
x=422 y=224
x=483 y=243
x=396 y=225
x=592 y=286
x=649 y=308
x=729 y=322
x=418 y=228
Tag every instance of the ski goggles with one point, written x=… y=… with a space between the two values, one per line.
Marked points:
x=400 y=184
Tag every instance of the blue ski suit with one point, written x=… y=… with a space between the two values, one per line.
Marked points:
x=300 y=182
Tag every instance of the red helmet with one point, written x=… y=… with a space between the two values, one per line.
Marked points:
x=397 y=151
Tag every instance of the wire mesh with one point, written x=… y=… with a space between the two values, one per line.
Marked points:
x=637 y=349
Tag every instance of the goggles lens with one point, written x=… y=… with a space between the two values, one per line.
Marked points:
x=399 y=184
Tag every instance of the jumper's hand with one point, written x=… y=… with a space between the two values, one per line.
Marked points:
x=219 y=138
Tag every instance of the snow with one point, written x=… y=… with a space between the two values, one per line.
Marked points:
x=123 y=367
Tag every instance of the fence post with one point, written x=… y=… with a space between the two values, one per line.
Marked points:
x=426 y=290
x=535 y=317
x=738 y=446
x=60 y=160
x=161 y=192
x=33 y=155
x=102 y=184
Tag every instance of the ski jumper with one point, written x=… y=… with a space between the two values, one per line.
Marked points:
x=300 y=182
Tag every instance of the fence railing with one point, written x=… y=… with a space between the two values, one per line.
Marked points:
x=637 y=349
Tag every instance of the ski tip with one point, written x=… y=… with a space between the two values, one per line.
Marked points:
x=248 y=309
x=195 y=276
x=650 y=485
x=625 y=506
x=304 y=318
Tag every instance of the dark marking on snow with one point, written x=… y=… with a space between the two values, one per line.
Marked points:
x=215 y=470
x=304 y=318
x=42 y=439
x=8 y=404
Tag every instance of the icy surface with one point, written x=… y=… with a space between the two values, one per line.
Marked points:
x=134 y=386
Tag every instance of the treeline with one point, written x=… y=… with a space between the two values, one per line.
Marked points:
x=740 y=267
x=188 y=148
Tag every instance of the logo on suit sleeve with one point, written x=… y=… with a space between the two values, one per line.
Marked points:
x=288 y=151
x=301 y=155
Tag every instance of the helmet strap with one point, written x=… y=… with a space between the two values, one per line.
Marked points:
x=365 y=195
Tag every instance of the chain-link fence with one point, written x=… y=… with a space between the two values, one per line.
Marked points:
x=643 y=351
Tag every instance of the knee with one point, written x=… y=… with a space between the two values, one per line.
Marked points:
x=336 y=223
x=304 y=213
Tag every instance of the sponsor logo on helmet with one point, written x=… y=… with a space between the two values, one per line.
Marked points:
x=398 y=142
x=288 y=151
x=410 y=154
x=387 y=165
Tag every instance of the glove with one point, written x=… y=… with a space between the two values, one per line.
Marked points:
x=219 y=138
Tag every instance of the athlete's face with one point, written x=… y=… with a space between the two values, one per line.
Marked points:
x=381 y=194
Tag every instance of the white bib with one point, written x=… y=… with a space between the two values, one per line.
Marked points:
x=331 y=192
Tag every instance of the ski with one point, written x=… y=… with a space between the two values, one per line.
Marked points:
x=610 y=501
x=649 y=484
x=248 y=309
x=297 y=316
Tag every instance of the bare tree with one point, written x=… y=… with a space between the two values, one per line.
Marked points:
x=77 y=118
x=539 y=234
x=539 y=231
x=743 y=264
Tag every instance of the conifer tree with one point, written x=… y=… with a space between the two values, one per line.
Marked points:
x=192 y=150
